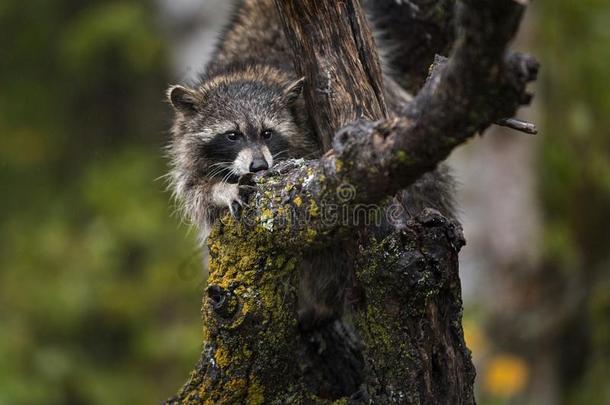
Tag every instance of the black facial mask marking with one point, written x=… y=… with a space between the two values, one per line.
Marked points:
x=278 y=146
x=220 y=150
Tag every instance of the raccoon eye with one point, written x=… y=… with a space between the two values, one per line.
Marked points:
x=232 y=136
x=267 y=134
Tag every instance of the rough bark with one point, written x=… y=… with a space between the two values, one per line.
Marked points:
x=335 y=52
x=408 y=317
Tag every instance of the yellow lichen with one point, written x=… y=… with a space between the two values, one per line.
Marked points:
x=266 y=214
x=255 y=393
x=310 y=235
x=298 y=201
x=266 y=219
x=235 y=387
x=314 y=210
x=338 y=165
x=222 y=357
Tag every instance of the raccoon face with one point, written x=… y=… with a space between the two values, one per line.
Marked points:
x=229 y=127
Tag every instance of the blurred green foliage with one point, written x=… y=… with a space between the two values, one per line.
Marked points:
x=574 y=43
x=565 y=347
x=99 y=286
x=575 y=166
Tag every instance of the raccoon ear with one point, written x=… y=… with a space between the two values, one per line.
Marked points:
x=183 y=100
x=292 y=92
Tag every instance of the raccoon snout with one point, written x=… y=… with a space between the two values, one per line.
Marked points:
x=258 y=164
x=252 y=160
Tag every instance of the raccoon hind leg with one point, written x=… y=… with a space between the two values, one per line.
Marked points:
x=324 y=278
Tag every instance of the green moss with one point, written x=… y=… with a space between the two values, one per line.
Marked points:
x=243 y=261
x=403 y=157
x=377 y=327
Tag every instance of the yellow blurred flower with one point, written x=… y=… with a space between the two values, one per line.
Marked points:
x=505 y=375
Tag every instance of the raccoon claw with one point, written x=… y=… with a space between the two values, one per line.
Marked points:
x=245 y=192
x=246 y=180
x=235 y=208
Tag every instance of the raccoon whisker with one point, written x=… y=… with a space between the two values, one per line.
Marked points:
x=162 y=177
x=227 y=176
x=310 y=154
x=218 y=168
x=305 y=156
x=232 y=172
x=218 y=171
x=220 y=164
x=215 y=174
x=277 y=155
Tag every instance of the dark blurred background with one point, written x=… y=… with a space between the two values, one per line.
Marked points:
x=100 y=283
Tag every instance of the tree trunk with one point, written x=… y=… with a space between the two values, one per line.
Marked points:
x=403 y=341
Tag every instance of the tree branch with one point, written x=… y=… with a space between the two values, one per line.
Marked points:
x=476 y=87
x=518 y=125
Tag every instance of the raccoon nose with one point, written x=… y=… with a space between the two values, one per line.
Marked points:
x=258 y=164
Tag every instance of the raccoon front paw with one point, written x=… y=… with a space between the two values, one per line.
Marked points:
x=245 y=187
x=235 y=208
x=231 y=196
x=226 y=195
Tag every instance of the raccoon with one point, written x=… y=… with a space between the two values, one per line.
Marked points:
x=236 y=121
x=243 y=115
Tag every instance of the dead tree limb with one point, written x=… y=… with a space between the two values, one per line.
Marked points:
x=479 y=85
x=409 y=322
x=338 y=58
